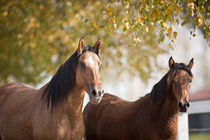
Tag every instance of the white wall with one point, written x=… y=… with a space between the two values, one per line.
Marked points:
x=199 y=107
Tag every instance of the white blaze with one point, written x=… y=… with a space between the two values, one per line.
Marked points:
x=91 y=61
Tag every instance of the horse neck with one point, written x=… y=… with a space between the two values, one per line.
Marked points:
x=168 y=105
x=75 y=100
x=165 y=113
x=72 y=106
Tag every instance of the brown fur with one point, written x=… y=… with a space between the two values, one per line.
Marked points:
x=53 y=111
x=152 y=117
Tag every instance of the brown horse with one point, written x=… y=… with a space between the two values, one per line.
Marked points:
x=53 y=111
x=152 y=117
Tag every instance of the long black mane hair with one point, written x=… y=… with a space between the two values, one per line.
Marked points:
x=161 y=88
x=63 y=81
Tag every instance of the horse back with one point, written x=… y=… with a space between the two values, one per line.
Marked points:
x=14 y=90
x=16 y=108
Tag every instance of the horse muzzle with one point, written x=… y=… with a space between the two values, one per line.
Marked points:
x=95 y=96
x=183 y=107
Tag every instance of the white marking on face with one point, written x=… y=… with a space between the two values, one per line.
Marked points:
x=186 y=92
x=91 y=61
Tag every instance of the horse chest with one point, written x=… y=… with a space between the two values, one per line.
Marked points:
x=73 y=128
x=168 y=131
x=60 y=128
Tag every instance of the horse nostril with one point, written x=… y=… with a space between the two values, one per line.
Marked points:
x=180 y=105
x=94 y=93
x=187 y=104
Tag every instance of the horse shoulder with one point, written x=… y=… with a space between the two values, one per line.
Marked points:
x=56 y=124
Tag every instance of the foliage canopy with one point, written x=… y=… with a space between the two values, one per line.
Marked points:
x=37 y=36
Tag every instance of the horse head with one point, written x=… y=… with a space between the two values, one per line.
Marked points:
x=179 y=81
x=88 y=70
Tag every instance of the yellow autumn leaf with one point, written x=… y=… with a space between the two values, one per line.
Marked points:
x=169 y=32
x=41 y=7
x=5 y=13
x=139 y=19
x=95 y=25
x=162 y=2
x=108 y=8
x=174 y=6
x=178 y=10
x=155 y=14
x=110 y=13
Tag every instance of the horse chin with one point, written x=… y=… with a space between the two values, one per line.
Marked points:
x=183 y=110
x=95 y=100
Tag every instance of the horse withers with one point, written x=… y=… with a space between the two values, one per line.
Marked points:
x=54 y=110
x=152 y=117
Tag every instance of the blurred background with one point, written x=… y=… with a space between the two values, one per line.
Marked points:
x=138 y=37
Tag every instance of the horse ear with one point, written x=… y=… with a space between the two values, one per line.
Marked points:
x=171 y=62
x=190 y=65
x=80 y=46
x=98 y=46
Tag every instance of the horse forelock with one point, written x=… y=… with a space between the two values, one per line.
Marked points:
x=160 y=89
x=63 y=81
x=182 y=66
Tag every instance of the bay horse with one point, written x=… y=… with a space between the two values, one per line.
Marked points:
x=54 y=110
x=152 y=117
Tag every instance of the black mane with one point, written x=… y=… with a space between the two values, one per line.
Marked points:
x=63 y=81
x=161 y=88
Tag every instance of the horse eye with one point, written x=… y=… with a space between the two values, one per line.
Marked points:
x=190 y=81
